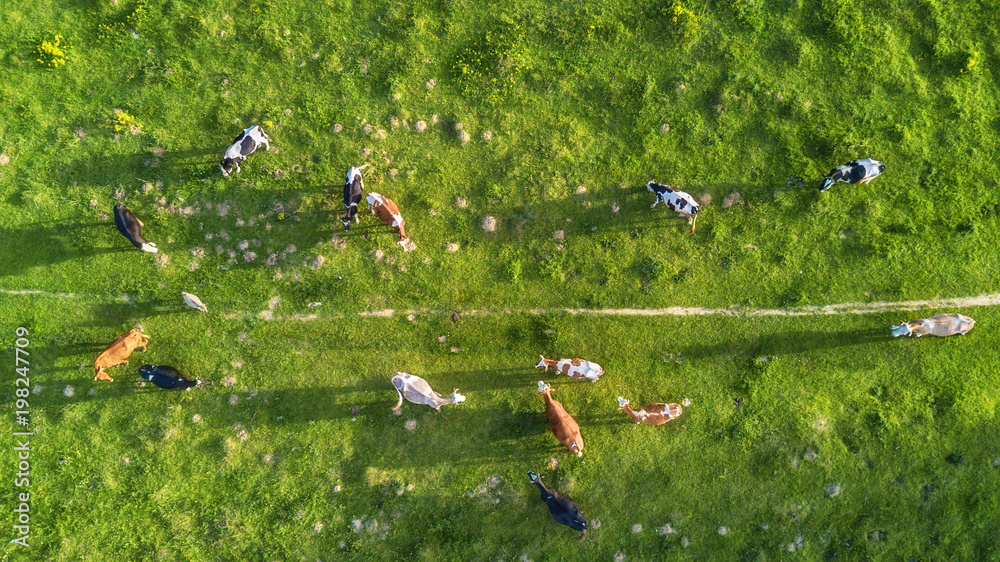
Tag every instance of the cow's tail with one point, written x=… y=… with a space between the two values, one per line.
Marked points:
x=400 y=403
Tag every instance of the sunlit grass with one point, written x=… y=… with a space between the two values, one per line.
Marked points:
x=550 y=119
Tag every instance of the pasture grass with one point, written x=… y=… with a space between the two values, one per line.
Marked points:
x=583 y=102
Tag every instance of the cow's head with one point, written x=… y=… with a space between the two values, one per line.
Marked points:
x=346 y=221
x=399 y=380
x=227 y=166
x=542 y=387
x=649 y=186
x=541 y=365
x=622 y=403
x=902 y=330
x=576 y=449
x=102 y=375
x=456 y=398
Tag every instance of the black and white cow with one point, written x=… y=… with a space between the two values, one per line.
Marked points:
x=354 y=191
x=165 y=376
x=244 y=145
x=855 y=171
x=131 y=228
x=677 y=201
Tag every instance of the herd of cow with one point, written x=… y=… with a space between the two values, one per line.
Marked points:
x=419 y=391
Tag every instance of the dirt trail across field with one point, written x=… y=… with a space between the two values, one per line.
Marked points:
x=817 y=310
x=845 y=308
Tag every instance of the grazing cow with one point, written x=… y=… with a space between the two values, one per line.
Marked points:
x=244 y=145
x=576 y=368
x=193 y=301
x=563 y=509
x=165 y=376
x=677 y=201
x=653 y=414
x=387 y=212
x=354 y=190
x=118 y=352
x=564 y=427
x=855 y=171
x=416 y=390
x=938 y=325
x=131 y=227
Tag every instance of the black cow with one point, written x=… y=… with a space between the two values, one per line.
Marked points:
x=563 y=509
x=131 y=228
x=354 y=191
x=244 y=145
x=165 y=376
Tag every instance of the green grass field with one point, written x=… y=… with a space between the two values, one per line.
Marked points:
x=550 y=118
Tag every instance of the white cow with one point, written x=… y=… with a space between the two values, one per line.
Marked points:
x=939 y=325
x=416 y=390
x=677 y=201
x=244 y=145
x=193 y=301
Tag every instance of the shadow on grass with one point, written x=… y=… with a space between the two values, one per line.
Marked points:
x=135 y=311
x=802 y=341
x=105 y=169
x=45 y=244
x=485 y=379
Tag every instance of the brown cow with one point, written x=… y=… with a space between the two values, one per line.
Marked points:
x=564 y=427
x=118 y=352
x=653 y=414
x=387 y=212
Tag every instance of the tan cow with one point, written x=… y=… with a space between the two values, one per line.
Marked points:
x=575 y=368
x=387 y=212
x=653 y=414
x=118 y=352
x=564 y=427
x=416 y=390
x=938 y=325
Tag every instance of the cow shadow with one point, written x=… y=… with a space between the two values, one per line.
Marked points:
x=802 y=341
x=482 y=436
x=485 y=379
x=102 y=169
x=46 y=244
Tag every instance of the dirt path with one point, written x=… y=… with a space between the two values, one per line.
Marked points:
x=843 y=308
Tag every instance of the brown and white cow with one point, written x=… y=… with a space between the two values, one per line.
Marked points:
x=387 y=212
x=575 y=368
x=653 y=414
x=118 y=352
x=564 y=427
x=938 y=325
x=416 y=390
